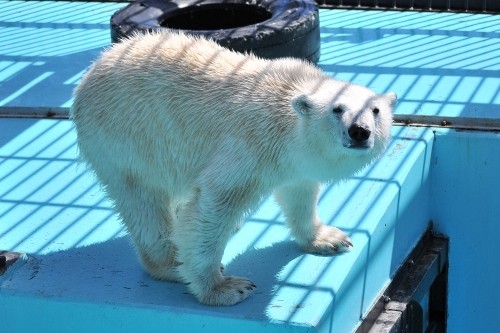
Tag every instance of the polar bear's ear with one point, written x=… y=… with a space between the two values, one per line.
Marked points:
x=391 y=98
x=303 y=105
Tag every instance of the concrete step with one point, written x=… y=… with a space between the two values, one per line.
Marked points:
x=81 y=274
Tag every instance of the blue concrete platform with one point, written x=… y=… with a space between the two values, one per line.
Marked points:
x=439 y=64
x=80 y=273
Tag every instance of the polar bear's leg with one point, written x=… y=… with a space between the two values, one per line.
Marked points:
x=298 y=203
x=149 y=221
x=205 y=225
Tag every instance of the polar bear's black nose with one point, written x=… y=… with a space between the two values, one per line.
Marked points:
x=358 y=134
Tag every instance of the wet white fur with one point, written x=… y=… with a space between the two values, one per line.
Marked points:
x=186 y=137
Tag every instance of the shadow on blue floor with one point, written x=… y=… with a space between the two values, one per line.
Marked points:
x=44 y=49
x=438 y=64
x=53 y=209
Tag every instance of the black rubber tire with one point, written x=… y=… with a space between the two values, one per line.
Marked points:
x=290 y=28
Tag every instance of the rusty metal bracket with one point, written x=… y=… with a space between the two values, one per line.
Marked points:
x=7 y=258
x=398 y=309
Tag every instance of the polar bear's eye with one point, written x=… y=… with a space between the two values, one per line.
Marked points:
x=337 y=109
x=376 y=111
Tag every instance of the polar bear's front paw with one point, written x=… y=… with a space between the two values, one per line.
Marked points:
x=229 y=291
x=328 y=240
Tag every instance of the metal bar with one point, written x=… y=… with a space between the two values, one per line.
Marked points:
x=473 y=124
x=7 y=258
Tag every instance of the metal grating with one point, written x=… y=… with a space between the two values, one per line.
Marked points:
x=479 y=6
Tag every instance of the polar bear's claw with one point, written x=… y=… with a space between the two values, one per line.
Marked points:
x=328 y=241
x=229 y=291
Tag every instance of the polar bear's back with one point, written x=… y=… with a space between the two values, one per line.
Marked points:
x=166 y=99
x=165 y=66
x=169 y=74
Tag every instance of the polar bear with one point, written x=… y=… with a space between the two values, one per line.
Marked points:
x=186 y=137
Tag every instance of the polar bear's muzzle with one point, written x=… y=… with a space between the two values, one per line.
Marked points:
x=359 y=137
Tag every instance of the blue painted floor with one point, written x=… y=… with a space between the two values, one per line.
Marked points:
x=439 y=64
x=442 y=64
x=81 y=274
x=53 y=210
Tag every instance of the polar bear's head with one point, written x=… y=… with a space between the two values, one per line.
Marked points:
x=347 y=118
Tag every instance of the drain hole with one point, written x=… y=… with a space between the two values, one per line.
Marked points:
x=215 y=17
